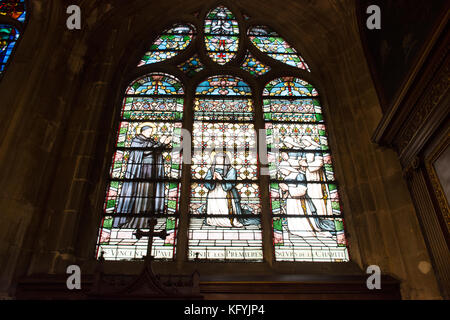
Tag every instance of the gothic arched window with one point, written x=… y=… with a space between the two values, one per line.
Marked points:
x=251 y=141
x=12 y=19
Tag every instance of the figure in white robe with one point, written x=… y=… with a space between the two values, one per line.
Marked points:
x=223 y=205
x=315 y=173
x=298 y=203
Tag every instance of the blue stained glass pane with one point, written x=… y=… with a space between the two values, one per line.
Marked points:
x=8 y=38
x=223 y=86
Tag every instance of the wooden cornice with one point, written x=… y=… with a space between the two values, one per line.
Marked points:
x=276 y=287
x=416 y=86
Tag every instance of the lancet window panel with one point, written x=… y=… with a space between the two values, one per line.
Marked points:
x=307 y=219
x=146 y=171
x=225 y=202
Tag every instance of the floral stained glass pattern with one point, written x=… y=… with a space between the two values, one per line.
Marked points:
x=223 y=86
x=191 y=66
x=225 y=205
x=156 y=84
x=14 y=9
x=169 y=44
x=145 y=172
x=8 y=39
x=307 y=218
x=276 y=47
x=254 y=66
x=221 y=35
x=289 y=87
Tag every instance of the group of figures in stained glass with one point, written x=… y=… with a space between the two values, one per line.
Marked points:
x=224 y=206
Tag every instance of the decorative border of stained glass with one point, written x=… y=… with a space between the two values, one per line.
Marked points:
x=223 y=86
x=156 y=84
x=289 y=86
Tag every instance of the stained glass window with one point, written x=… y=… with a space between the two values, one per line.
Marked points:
x=9 y=34
x=254 y=66
x=14 y=9
x=8 y=38
x=169 y=44
x=269 y=42
x=146 y=170
x=191 y=66
x=225 y=206
x=307 y=220
x=221 y=35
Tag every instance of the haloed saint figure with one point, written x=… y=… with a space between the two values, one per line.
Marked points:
x=145 y=164
x=223 y=205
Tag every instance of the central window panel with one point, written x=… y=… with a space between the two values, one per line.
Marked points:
x=225 y=206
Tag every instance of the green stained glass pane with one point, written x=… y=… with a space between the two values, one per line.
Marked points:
x=275 y=205
x=335 y=205
x=172 y=204
x=110 y=203
x=277 y=224
x=170 y=224
x=339 y=225
x=107 y=223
